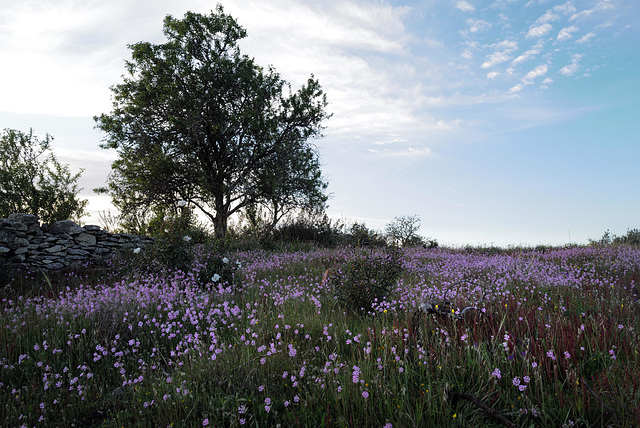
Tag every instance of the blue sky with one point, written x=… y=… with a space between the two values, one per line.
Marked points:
x=501 y=122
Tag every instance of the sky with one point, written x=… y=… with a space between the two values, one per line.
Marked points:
x=497 y=122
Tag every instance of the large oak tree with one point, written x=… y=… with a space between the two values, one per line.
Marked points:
x=195 y=120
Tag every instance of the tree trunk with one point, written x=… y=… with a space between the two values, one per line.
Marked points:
x=220 y=226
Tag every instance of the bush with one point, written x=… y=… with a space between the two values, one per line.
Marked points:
x=368 y=277
x=214 y=269
x=316 y=228
x=631 y=238
x=360 y=235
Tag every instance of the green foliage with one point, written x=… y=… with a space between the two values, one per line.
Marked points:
x=196 y=120
x=214 y=269
x=32 y=181
x=310 y=227
x=403 y=231
x=367 y=277
x=359 y=235
x=631 y=238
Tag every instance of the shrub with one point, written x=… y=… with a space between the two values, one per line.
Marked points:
x=631 y=238
x=368 y=277
x=309 y=227
x=214 y=269
x=360 y=235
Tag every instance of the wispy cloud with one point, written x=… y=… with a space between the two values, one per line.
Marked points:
x=476 y=26
x=529 y=78
x=501 y=54
x=540 y=70
x=539 y=30
x=547 y=17
x=571 y=69
x=465 y=6
x=566 y=8
x=567 y=33
x=530 y=54
x=586 y=38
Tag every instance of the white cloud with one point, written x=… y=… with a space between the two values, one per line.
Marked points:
x=492 y=75
x=571 y=69
x=546 y=82
x=539 y=31
x=409 y=152
x=566 y=8
x=516 y=88
x=567 y=33
x=502 y=53
x=586 y=38
x=465 y=6
x=477 y=25
x=581 y=15
x=540 y=70
x=528 y=55
x=547 y=17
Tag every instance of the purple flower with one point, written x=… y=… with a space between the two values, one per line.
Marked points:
x=205 y=422
x=365 y=394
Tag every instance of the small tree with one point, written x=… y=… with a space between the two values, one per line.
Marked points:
x=32 y=181
x=403 y=231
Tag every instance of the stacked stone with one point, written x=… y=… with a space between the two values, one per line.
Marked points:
x=27 y=244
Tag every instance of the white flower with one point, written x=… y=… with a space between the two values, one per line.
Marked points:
x=182 y=204
x=166 y=231
x=225 y=260
x=137 y=250
x=187 y=238
x=167 y=218
x=216 y=277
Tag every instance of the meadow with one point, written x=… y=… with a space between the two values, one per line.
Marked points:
x=465 y=338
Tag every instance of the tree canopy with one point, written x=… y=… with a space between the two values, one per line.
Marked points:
x=32 y=181
x=195 y=120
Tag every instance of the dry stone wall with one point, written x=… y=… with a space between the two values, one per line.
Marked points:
x=25 y=243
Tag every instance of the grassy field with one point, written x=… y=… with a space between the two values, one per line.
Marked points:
x=548 y=338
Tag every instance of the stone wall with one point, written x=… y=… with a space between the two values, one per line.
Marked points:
x=28 y=244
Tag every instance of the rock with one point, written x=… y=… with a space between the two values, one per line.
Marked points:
x=86 y=239
x=68 y=227
x=26 y=243
x=26 y=219
x=76 y=252
x=21 y=242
